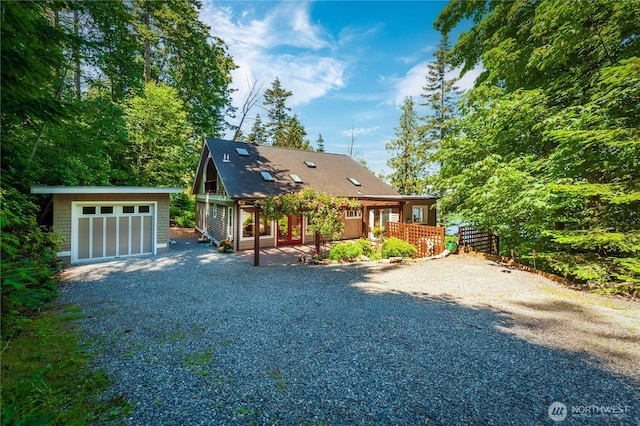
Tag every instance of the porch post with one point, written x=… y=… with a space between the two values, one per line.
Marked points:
x=256 y=236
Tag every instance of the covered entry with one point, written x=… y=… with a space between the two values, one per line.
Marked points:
x=108 y=222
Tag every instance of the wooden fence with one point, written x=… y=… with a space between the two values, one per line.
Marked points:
x=478 y=240
x=429 y=240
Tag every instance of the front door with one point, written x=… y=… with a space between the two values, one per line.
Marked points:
x=290 y=230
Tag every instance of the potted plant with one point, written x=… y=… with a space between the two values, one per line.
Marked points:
x=225 y=246
x=451 y=243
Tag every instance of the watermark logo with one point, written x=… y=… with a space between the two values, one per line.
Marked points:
x=557 y=411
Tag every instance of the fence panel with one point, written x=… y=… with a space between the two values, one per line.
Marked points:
x=429 y=240
x=479 y=240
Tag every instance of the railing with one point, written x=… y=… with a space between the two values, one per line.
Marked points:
x=483 y=241
x=429 y=240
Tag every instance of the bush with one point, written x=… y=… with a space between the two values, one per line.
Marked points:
x=186 y=220
x=451 y=239
x=345 y=252
x=365 y=246
x=27 y=261
x=395 y=247
x=183 y=210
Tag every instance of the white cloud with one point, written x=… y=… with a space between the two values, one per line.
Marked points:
x=269 y=46
x=412 y=83
x=359 y=131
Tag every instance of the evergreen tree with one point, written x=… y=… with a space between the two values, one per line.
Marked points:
x=320 y=143
x=440 y=96
x=258 y=133
x=275 y=99
x=408 y=153
x=295 y=135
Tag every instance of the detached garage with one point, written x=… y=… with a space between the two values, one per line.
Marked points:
x=108 y=222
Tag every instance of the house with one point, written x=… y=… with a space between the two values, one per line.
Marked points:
x=233 y=176
x=107 y=222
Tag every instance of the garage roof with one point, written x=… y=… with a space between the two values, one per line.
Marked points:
x=103 y=190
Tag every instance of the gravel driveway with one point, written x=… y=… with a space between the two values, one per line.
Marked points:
x=199 y=337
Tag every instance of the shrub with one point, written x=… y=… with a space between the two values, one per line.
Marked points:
x=365 y=246
x=395 y=247
x=345 y=252
x=451 y=239
x=27 y=261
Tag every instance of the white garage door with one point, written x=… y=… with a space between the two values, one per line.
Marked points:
x=104 y=231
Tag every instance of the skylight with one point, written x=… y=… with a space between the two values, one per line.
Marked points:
x=267 y=176
x=242 y=152
x=310 y=164
x=296 y=178
x=354 y=181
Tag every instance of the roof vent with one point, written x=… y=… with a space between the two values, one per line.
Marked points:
x=310 y=164
x=242 y=152
x=354 y=181
x=296 y=178
x=225 y=158
x=266 y=176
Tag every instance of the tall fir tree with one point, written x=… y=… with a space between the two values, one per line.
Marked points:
x=440 y=95
x=320 y=143
x=258 y=134
x=408 y=160
x=275 y=101
x=295 y=136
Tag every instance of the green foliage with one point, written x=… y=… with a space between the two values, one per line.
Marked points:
x=346 y=252
x=366 y=247
x=546 y=149
x=395 y=247
x=28 y=265
x=48 y=378
x=183 y=210
x=323 y=211
x=281 y=129
x=451 y=239
x=160 y=146
x=408 y=161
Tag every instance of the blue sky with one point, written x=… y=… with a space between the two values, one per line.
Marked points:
x=349 y=64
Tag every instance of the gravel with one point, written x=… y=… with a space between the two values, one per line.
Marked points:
x=199 y=337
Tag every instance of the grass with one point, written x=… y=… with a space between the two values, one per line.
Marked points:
x=47 y=376
x=276 y=375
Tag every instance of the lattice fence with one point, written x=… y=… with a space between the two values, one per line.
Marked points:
x=429 y=240
x=479 y=240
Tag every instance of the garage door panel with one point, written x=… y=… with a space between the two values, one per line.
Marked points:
x=136 y=229
x=97 y=237
x=84 y=237
x=115 y=230
x=123 y=236
x=147 y=230
x=110 y=236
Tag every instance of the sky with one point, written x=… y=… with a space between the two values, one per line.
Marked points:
x=349 y=64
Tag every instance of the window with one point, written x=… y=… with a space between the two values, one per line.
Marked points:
x=420 y=214
x=354 y=181
x=310 y=164
x=211 y=186
x=88 y=210
x=143 y=209
x=353 y=213
x=247 y=225
x=106 y=210
x=267 y=176
x=127 y=209
x=242 y=152
x=295 y=178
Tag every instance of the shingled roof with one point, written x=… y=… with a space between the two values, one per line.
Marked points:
x=242 y=168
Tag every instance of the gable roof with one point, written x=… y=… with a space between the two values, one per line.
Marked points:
x=242 y=176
